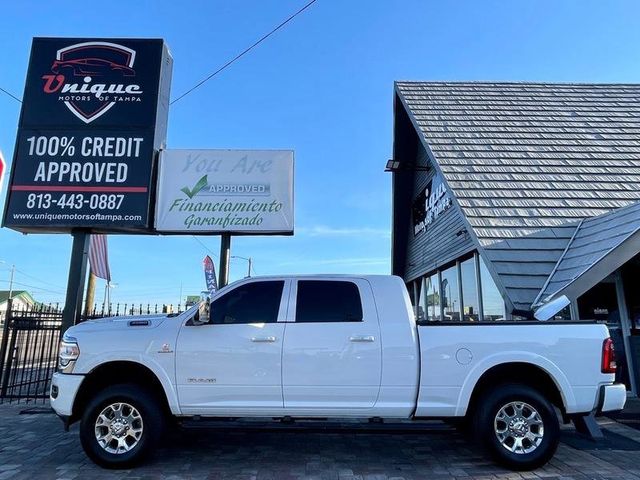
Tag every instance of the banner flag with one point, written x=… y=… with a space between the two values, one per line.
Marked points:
x=2 y=168
x=210 y=274
x=98 y=257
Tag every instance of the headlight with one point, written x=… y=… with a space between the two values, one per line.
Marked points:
x=68 y=353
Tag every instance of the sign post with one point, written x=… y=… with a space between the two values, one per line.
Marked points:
x=225 y=255
x=93 y=118
x=75 y=284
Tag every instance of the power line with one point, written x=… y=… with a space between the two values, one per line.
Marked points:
x=226 y=65
x=36 y=278
x=203 y=244
x=244 y=52
x=39 y=280
x=10 y=94
x=35 y=287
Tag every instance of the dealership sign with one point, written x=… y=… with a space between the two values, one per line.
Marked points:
x=225 y=191
x=93 y=119
x=430 y=203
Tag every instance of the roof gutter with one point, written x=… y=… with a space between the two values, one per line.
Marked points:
x=536 y=302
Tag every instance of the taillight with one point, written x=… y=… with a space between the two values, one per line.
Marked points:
x=608 y=357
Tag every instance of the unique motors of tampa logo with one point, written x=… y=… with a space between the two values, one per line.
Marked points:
x=91 y=77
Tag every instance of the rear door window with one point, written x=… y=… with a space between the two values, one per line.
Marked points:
x=328 y=301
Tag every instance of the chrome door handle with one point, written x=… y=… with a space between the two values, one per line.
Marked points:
x=362 y=338
x=263 y=339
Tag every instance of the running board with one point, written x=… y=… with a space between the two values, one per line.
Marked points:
x=315 y=425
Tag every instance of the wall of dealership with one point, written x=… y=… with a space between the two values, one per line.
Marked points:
x=450 y=279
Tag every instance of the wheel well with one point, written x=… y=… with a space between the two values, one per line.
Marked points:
x=113 y=373
x=516 y=372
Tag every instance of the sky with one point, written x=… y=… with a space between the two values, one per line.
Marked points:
x=322 y=86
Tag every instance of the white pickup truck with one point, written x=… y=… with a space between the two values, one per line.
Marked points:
x=329 y=347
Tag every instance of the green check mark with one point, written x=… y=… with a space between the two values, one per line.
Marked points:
x=196 y=188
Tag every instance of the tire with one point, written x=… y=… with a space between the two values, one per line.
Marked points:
x=121 y=426
x=518 y=426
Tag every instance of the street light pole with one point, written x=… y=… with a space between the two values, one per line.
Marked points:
x=250 y=260
x=13 y=270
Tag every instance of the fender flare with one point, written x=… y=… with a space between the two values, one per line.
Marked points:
x=145 y=361
x=502 y=358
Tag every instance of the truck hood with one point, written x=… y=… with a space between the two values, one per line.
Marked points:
x=128 y=322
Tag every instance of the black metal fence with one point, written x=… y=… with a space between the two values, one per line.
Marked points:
x=29 y=345
x=28 y=352
x=119 y=309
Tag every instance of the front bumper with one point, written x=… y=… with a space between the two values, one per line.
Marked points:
x=64 y=388
x=612 y=397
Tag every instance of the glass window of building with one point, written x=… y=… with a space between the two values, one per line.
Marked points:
x=471 y=306
x=492 y=301
x=450 y=295
x=421 y=304
x=432 y=298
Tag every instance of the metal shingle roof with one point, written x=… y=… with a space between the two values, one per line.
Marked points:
x=596 y=238
x=528 y=161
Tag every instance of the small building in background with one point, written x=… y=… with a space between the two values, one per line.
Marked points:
x=510 y=199
x=191 y=300
x=22 y=300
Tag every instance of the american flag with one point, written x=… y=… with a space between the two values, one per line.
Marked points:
x=98 y=257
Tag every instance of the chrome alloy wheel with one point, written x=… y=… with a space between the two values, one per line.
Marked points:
x=118 y=428
x=519 y=427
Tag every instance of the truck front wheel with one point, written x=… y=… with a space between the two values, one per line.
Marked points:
x=121 y=426
x=518 y=426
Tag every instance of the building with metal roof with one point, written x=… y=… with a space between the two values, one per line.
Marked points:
x=517 y=200
x=21 y=300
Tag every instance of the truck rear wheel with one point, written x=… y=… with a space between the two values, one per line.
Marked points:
x=518 y=426
x=121 y=426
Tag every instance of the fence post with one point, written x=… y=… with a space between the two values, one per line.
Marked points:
x=8 y=354
x=3 y=344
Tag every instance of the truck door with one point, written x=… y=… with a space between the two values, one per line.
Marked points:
x=332 y=350
x=233 y=362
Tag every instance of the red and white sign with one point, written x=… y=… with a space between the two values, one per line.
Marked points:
x=77 y=66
